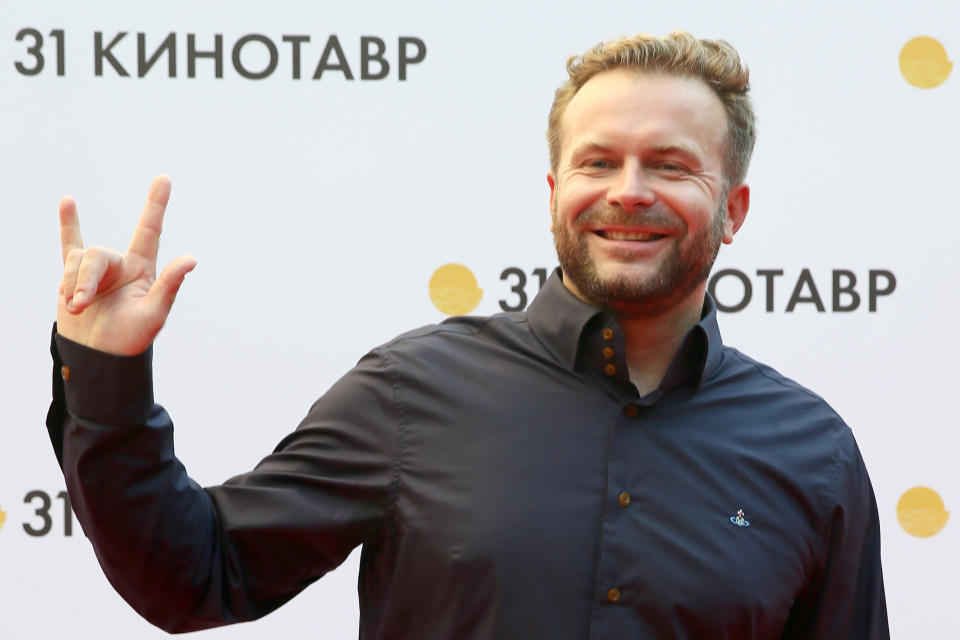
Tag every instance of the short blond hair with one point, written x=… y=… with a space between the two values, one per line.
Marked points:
x=715 y=62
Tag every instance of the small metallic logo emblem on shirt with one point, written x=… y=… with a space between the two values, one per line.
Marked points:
x=739 y=520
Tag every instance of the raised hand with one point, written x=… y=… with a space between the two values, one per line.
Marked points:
x=111 y=301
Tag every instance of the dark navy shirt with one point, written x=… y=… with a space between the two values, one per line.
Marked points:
x=506 y=481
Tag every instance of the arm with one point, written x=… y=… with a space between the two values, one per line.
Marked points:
x=846 y=599
x=186 y=557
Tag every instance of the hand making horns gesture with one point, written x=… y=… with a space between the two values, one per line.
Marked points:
x=111 y=301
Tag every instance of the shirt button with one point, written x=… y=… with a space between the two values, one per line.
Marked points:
x=623 y=499
x=631 y=410
x=610 y=369
x=607 y=334
x=65 y=372
x=607 y=352
x=613 y=595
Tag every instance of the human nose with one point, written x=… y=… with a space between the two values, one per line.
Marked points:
x=631 y=188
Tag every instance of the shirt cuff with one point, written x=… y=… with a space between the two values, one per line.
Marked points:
x=102 y=387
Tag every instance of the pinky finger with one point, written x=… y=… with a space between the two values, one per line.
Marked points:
x=164 y=290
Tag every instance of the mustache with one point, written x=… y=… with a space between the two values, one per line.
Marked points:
x=615 y=216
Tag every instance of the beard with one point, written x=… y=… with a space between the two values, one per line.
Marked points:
x=686 y=265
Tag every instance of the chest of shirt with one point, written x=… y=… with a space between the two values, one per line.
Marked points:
x=563 y=489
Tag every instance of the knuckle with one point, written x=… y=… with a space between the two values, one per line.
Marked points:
x=93 y=252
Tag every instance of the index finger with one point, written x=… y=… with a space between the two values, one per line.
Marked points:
x=146 y=237
x=70 y=237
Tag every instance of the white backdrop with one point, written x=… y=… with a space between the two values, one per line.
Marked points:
x=320 y=209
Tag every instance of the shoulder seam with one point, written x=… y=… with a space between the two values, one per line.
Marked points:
x=393 y=491
x=784 y=382
x=842 y=453
x=448 y=329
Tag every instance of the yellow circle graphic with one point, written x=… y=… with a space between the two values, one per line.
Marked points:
x=454 y=290
x=921 y=513
x=3 y=517
x=924 y=63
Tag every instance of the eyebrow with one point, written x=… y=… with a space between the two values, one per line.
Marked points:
x=665 y=148
x=676 y=147
x=589 y=147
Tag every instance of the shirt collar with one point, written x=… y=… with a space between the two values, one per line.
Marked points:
x=566 y=326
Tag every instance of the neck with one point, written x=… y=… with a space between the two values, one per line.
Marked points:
x=652 y=339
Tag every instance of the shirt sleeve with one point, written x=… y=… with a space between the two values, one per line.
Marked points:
x=188 y=558
x=846 y=598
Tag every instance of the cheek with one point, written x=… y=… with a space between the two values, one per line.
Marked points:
x=690 y=204
x=573 y=198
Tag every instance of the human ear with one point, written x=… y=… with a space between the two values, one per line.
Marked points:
x=552 y=181
x=736 y=206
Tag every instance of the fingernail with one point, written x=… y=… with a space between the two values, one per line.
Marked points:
x=79 y=297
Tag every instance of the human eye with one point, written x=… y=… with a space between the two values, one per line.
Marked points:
x=598 y=163
x=670 y=168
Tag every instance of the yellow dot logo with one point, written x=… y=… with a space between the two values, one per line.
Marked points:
x=3 y=517
x=924 y=63
x=921 y=513
x=454 y=290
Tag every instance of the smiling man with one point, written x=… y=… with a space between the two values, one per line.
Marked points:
x=600 y=466
x=640 y=203
x=639 y=199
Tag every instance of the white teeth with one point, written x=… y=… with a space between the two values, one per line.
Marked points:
x=626 y=235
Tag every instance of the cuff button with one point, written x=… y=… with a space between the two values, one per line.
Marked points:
x=65 y=372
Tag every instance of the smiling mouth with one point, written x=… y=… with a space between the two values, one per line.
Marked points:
x=629 y=235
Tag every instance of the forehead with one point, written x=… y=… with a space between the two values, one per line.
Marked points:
x=624 y=108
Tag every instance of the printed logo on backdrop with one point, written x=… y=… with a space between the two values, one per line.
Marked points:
x=924 y=62
x=836 y=291
x=50 y=515
x=253 y=56
x=454 y=290
x=921 y=512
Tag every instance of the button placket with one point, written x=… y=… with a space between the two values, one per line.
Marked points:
x=617 y=521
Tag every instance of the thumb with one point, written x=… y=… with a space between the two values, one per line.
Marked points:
x=164 y=289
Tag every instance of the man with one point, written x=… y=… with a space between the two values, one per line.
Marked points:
x=601 y=466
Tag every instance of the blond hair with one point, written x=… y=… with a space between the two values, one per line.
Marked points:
x=715 y=62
